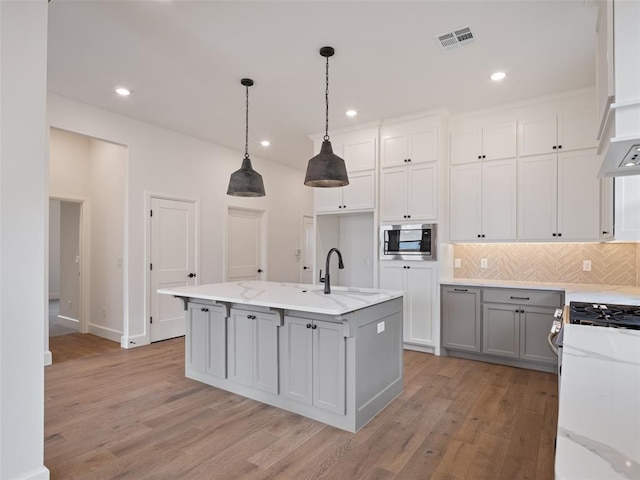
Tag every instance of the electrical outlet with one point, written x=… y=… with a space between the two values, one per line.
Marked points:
x=484 y=263
x=586 y=265
x=380 y=327
x=457 y=263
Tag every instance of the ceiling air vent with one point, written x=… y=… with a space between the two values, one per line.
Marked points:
x=456 y=39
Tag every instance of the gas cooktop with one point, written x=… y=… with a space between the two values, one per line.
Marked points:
x=605 y=315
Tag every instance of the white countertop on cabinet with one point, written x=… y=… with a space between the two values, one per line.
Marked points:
x=599 y=413
x=288 y=296
x=573 y=292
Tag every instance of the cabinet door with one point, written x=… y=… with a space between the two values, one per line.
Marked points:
x=627 y=206
x=499 y=141
x=329 y=372
x=216 y=342
x=604 y=59
x=466 y=146
x=461 y=318
x=422 y=195
x=422 y=145
x=393 y=146
x=196 y=344
x=537 y=135
x=499 y=200
x=297 y=362
x=421 y=286
x=393 y=193
x=579 y=195
x=327 y=199
x=359 y=152
x=606 y=208
x=465 y=202
x=392 y=276
x=266 y=353
x=577 y=129
x=241 y=347
x=360 y=193
x=537 y=198
x=535 y=325
x=501 y=330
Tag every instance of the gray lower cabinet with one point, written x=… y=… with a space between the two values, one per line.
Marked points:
x=461 y=318
x=500 y=323
x=314 y=363
x=253 y=349
x=206 y=340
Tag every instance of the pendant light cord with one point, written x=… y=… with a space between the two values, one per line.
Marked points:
x=326 y=102
x=246 y=128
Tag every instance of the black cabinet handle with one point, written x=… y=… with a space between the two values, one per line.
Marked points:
x=339 y=206
x=313 y=327
x=204 y=309
x=559 y=234
x=259 y=270
x=251 y=317
x=304 y=268
x=479 y=157
x=191 y=275
x=409 y=160
x=405 y=160
x=344 y=206
x=520 y=298
x=408 y=216
x=479 y=235
x=460 y=289
x=521 y=311
x=559 y=146
x=605 y=233
x=553 y=234
x=484 y=156
x=308 y=325
x=483 y=235
x=554 y=147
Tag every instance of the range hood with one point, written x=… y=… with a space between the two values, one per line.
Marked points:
x=620 y=125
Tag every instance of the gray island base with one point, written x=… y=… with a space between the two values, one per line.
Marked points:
x=334 y=358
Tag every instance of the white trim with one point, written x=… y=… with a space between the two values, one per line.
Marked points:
x=68 y=322
x=145 y=339
x=264 y=240
x=48 y=358
x=104 y=332
x=41 y=473
x=134 y=341
x=54 y=295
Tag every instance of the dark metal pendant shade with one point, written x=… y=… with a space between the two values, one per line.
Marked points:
x=326 y=169
x=246 y=182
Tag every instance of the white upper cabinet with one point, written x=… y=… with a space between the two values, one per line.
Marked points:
x=483 y=201
x=358 y=149
x=409 y=193
x=627 y=207
x=559 y=197
x=489 y=142
x=408 y=142
x=574 y=128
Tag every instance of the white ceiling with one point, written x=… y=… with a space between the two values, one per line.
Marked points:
x=183 y=61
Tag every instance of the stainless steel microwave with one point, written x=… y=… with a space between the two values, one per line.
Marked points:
x=408 y=242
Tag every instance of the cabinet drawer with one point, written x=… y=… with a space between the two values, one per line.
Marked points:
x=522 y=297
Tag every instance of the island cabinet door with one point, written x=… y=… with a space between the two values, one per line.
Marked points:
x=329 y=369
x=501 y=330
x=297 y=360
x=241 y=347
x=206 y=345
x=266 y=352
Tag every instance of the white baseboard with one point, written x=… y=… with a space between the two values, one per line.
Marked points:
x=68 y=322
x=41 y=473
x=104 y=332
x=134 y=341
x=48 y=358
x=419 y=348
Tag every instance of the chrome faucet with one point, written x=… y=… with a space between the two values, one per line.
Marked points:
x=327 y=276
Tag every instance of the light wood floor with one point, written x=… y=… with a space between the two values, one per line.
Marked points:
x=131 y=414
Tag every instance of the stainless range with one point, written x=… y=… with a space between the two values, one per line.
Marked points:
x=605 y=315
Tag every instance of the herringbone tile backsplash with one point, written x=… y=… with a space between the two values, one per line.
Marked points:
x=611 y=263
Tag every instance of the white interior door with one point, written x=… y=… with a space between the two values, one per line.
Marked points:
x=173 y=263
x=244 y=245
x=306 y=272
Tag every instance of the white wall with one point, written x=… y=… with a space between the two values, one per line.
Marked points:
x=164 y=162
x=23 y=228
x=70 y=261
x=54 y=249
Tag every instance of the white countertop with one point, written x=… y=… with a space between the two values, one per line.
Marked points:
x=573 y=292
x=288 y=296
x=599 y=414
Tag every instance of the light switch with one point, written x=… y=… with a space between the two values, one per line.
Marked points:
x=380 y=327
x=457 y=263
x=484 y=263
x=586 y=265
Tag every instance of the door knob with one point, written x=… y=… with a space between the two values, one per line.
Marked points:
x=304 y=268
x=259 y=270
x=191 y=275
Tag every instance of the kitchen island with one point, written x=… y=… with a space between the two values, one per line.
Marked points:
x=335 y=358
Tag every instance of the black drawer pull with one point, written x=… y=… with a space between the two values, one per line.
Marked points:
x=308 y=325
x=520 y=298
x=204 y=309
x=460 y=289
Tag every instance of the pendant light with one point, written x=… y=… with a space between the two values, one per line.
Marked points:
x=326 y=169
x=246 y=182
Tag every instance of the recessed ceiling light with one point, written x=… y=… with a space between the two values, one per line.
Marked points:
x=351 y=113
x=629 y=164
x=123 y=91
x=265 y=143
x=496 y=77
